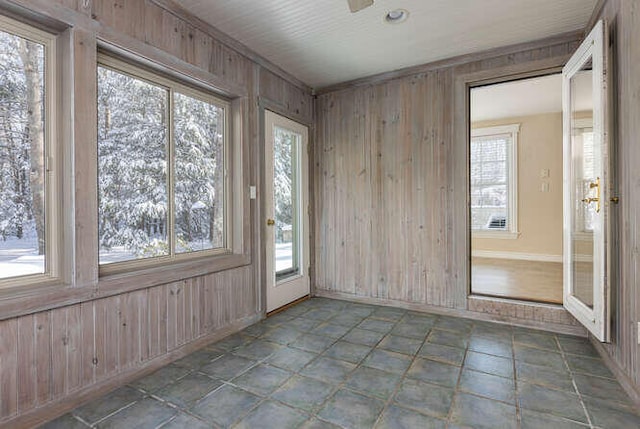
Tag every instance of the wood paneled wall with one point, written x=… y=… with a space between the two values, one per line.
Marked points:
x=391 y=186
x=623 y=17
x=59 y=348
x=391 y=197
x=48 y=355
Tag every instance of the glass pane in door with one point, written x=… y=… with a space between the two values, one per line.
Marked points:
x=286 y=207
x=584 y=184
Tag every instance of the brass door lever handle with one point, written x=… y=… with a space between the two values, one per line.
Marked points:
x=271 y=222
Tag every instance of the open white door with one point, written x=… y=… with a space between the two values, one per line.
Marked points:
x=287 y=210
x=586 y=185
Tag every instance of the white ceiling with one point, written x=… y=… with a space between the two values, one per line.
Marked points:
x=527 y=97
x=322 y=43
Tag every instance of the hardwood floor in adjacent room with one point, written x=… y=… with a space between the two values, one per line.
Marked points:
x=509 y=278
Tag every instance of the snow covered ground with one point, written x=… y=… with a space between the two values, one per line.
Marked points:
x=19 y=257
x=284 y=256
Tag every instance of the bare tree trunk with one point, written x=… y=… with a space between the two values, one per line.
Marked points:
x=35 y=131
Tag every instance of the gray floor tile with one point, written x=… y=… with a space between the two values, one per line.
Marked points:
x=400 y=418
x=281 y=335
x=388 y=313
x=291 y=359
x=539 y=357
x=586 y=365
x=304 y=393
x=108 y=404
x=349 y=352
x=303 y=324
x=577 y=346
x=199 y=358
x=544 y=376
x=347 y=319
x=490 y=346
x=186 y=391
x=597 y=387
x=448 y=338
x=490 y=364
x=185 y=421
x=489 y=386
x=161 y=378
x=411 y=330
x=556 y=402
x=313 y=343
x=377 y=325
x=494 y=331
x=228 y=366
x=256 y=330
x=388 y=361
x=546 y=342
x=331 y=330
x=314 y=423
x=329 y=370
x=441 y=353
x=394 y=343
x=454 y=324
x=364 y=337
x=225 y=405
x=319 y=314
x=234 y=341
x=274 y=415
x=262 y=379
x=146 y=414
x=535 y=420
x=470 y=410
x=424 y=397
x=259 y=349
x=608 y=415
x=66 y=421
x=352 y=410
x=374 y=382
x=434 y=372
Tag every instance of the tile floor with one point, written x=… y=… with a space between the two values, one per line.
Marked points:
x=327 y=364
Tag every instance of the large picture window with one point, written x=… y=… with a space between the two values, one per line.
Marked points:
x=161 y=167
x=27 y=183
x=493 y=156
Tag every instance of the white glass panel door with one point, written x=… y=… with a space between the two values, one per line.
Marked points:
x=286 y=209
x=586 y=205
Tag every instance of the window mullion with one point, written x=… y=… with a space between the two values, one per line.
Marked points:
x=171 y=177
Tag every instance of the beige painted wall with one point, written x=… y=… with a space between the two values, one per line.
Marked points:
x=539 y=213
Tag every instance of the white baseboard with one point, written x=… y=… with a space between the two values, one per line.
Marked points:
x=526 y=256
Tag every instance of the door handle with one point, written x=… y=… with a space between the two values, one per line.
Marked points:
x=595 y=199
x=271 y=222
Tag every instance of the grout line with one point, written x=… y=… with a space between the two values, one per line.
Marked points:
x=575 y=386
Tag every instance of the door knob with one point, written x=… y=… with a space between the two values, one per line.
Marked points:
x=590 y=200
x=271 y=222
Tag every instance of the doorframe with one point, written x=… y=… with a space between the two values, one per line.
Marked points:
x=460 y=176
x=261 y=253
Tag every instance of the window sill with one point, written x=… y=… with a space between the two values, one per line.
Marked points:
x=29 y=300
x=500 y=235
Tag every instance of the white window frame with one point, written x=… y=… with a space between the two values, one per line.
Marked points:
x=513 y=130
x=172 y=86
x=52 y=154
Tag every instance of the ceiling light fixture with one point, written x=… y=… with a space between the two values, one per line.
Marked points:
x=396 y=16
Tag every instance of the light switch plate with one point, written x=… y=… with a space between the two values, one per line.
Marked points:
x=252 y=192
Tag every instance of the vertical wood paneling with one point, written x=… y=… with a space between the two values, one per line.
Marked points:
x=43 y=356
x=8 y=367
x=27 y=364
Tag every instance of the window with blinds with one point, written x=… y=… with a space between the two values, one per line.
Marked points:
x=493 y=179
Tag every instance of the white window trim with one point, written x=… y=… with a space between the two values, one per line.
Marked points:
x=174 y=85
x=514 y=130
x=53 y=180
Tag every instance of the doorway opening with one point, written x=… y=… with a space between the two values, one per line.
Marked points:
x=516 y=188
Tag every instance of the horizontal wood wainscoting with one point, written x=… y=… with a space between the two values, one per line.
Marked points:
x=66 y=343
x=391 y=185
